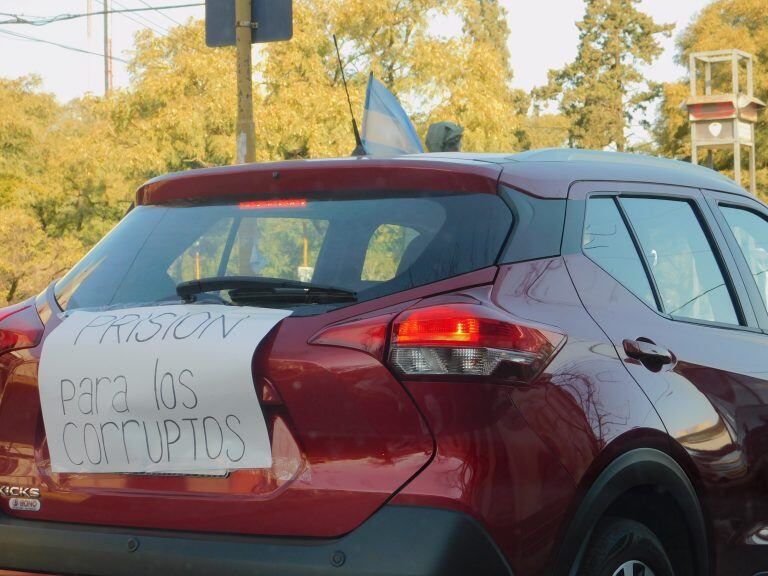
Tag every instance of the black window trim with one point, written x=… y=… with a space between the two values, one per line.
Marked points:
x=538 y=226
x=643 y=260
x=725 y=269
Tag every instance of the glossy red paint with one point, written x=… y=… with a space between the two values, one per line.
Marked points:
x=337 y=176
x=350 y=470
x=539 y=440
x=713 y=397
x=350 y=436
x=20 y=327
x=367 y=334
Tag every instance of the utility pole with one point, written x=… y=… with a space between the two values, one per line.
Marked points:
x=89 y=10
x=255 y=21
x=246 y=128
x=107 y=52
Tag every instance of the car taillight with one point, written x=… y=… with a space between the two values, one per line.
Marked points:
x=366 y=334
x=20 y=327
x=469 y=340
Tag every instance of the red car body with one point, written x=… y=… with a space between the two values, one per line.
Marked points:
x=380 y=473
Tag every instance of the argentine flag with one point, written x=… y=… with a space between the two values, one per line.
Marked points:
x=387 y=130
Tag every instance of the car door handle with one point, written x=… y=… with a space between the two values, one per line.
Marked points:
x=647 y=351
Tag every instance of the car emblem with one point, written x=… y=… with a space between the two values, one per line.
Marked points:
x=24 y=504
x=19 y=492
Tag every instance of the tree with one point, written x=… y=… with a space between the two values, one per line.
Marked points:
x=545 y=131
x=68 y=172
x=304 y=110
x=465 y=78
x=723 y=24
x=29 y=259
x=26 y=115
x=178 y=112
x=477 y=92
x=671 y=131
x=603 y=91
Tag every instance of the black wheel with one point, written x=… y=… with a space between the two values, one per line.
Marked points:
x=625 y=548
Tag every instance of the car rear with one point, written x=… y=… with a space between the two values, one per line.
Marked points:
x=384 y=271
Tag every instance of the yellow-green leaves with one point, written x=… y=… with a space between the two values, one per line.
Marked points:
x=723 y=24
x=603 y=91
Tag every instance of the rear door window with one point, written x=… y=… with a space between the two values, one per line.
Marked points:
x=371 y=245
x=680 y=257
x=751 y=232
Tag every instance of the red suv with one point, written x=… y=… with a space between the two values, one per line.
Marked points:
x=551 y=362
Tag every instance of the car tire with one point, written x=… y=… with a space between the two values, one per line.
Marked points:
x=622 y=547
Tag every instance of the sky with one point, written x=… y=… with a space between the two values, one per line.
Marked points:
x=543 y=36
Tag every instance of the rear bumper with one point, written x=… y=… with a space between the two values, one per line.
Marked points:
x=397 y=540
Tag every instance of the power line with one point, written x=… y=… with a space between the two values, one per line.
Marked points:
x=163 y=14
x=42 y=21
x=149 y=24
x=18 y=36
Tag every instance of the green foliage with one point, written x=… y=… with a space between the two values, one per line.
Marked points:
x=465 y=79
x=26 y=119
x=545 y=131
x=603 y=90
x=29 y=120
x=179 y=110
x=476 y=77
x=68 y=171
x=30 y=258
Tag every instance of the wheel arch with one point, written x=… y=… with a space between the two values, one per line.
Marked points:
x=626 y=477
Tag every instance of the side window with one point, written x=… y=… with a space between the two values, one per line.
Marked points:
x=681 y=260
x=751 y=233
x=386 y=249
x=608 y=244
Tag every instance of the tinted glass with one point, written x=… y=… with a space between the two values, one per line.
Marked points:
x=386 y=249
x=751 y=232
x=372 y=246
x=608 y=244
x=680 y=257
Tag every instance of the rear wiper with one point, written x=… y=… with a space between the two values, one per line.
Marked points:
x=248 y=288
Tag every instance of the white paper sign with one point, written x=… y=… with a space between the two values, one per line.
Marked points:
x=156 y=389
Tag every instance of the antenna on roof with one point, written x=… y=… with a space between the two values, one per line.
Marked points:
x=359 y=148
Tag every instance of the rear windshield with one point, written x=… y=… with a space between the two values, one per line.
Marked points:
x=370 y=246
